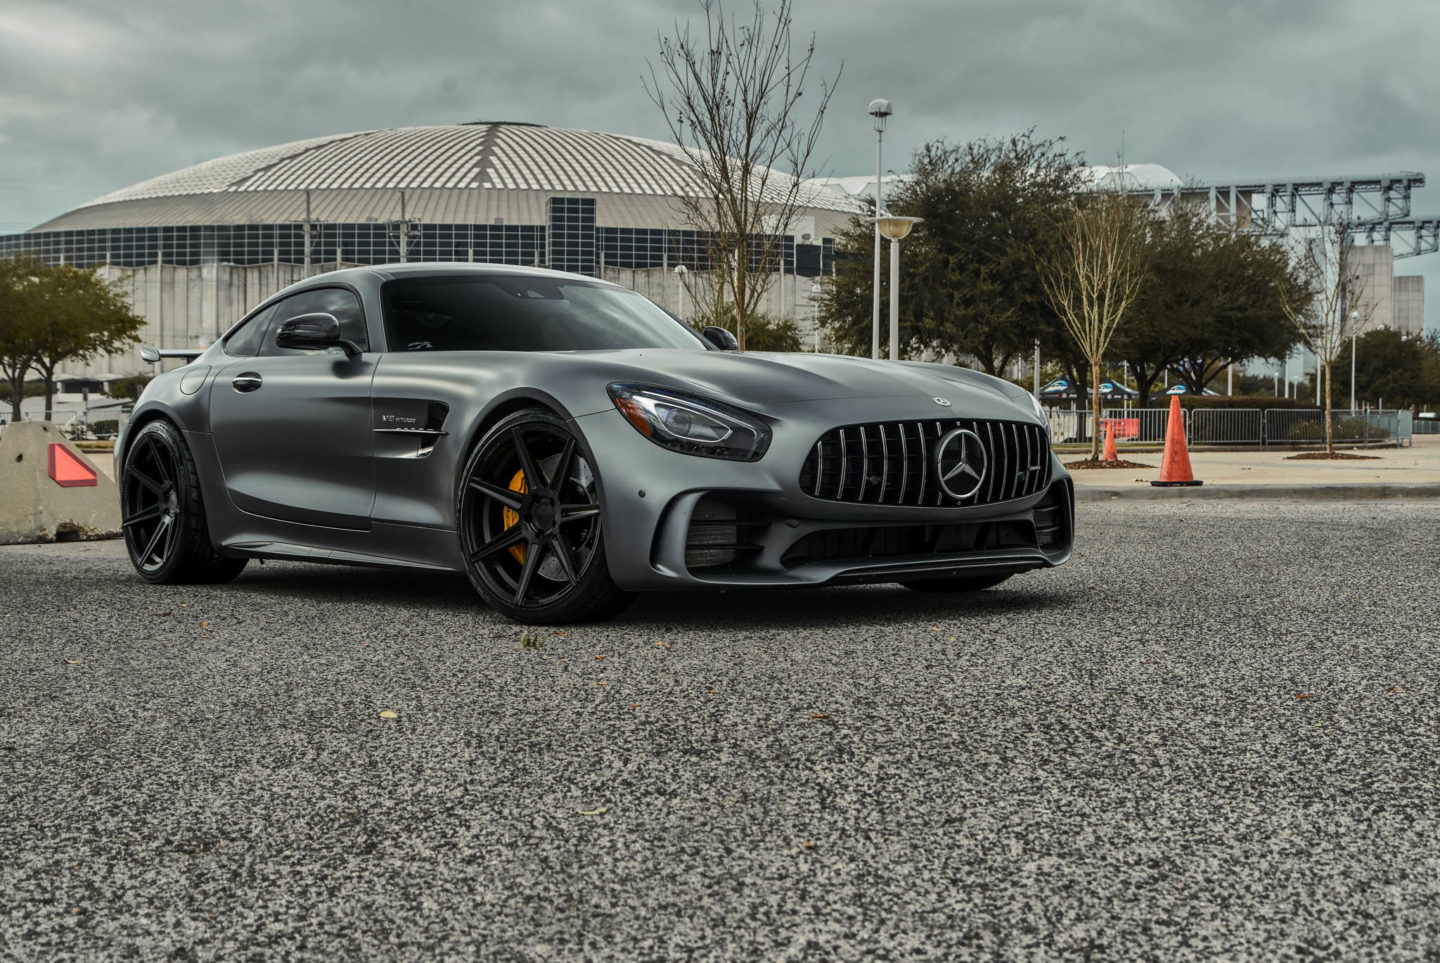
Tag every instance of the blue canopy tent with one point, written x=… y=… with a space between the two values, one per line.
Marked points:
x=1061 y=390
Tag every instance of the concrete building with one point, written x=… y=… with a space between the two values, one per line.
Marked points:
x=197 y=248
x=1407 y=312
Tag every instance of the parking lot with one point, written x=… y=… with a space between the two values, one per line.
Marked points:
x=1215 y=732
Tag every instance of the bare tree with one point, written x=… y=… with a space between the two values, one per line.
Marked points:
x=1092 y=274
x=731 y=97
x=1332 y=302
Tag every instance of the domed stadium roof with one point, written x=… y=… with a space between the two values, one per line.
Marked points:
x=458 y=173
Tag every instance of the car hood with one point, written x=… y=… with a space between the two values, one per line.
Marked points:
x=762 y=380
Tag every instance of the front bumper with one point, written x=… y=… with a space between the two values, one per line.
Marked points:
x=675 y=521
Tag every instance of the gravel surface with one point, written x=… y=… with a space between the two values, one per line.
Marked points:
x=1214 y=734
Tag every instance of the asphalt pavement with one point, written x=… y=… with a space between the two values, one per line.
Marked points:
x=1215 y=734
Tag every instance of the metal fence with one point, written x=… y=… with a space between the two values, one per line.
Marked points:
x=1426 y=426
x=78 y=423
x=1227 y=426
x=1307 y=426
x=1242 y=426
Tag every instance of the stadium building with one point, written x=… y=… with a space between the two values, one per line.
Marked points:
x=196 y=249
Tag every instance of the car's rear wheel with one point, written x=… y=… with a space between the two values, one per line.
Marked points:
x=529 y=511
x=973 y=583
x=162 y=512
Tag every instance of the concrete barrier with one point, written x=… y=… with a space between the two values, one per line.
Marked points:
x=50 y=491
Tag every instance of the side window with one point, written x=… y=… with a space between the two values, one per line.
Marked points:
x=245 y=340
x=343 y=304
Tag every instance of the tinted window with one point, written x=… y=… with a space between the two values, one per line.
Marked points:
x=245 y=340
x=503 y=313
x=343 y=304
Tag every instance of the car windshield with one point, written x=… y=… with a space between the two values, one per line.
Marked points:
x=519 y=313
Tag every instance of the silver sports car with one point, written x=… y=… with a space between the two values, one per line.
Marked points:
x=566 y=443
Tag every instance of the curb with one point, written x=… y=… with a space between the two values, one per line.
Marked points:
x=1319 y=493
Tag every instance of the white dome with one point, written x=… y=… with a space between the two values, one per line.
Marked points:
x=450 y=173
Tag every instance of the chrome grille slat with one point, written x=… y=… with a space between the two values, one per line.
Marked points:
x=904 y=462
x=924 y=461
x=864 y=464
x=884 y=464
x=1017 y=456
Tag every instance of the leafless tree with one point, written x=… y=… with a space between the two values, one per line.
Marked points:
x=732 y=95
x=1331 y=305
x=1092 y=274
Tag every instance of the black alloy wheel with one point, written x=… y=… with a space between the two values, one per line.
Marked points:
x=530 y=520
x=163 y=515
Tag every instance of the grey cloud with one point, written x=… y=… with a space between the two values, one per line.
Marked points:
x=114 y=93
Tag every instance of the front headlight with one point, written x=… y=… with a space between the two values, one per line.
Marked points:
x=694 y=426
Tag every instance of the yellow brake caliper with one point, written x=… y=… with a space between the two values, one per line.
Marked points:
x=511 y=517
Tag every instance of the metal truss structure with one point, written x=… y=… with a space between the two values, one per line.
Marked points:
x=1377 y=207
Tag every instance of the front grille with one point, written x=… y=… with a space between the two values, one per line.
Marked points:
x=893 y=463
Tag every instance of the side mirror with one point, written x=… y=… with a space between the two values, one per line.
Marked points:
x=309 y=332
x=720 y=338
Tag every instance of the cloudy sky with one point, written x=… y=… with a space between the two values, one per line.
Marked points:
x=97 y=95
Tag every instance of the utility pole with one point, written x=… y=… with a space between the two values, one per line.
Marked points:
x=879 y=109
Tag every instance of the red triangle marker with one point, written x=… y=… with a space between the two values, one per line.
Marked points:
x=68 y=471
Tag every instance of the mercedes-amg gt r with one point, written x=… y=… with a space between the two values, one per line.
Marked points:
x=566 y=443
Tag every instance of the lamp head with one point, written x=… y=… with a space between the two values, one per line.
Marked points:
x=894 y=227
x=879 y=109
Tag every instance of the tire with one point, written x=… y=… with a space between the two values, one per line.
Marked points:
x=163 y=514
x=976 y=583
x=535 y=553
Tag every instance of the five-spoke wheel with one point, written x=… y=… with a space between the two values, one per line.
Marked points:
x=529 y=512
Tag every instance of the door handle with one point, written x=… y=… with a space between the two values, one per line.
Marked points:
x=248 y=381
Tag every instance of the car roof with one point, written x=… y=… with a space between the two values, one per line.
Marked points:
x=385 y=272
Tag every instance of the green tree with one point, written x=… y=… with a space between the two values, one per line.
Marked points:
x=764 y=333
x=970 y=282
x=1430 y=369
x=1389 y=366
x=20 y=280
x=1211 y=298
x=74 y=315
x=129 y=386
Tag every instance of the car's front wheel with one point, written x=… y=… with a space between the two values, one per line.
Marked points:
x=529 y=512
x=163 y=514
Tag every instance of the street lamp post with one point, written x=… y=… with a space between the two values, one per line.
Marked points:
x=1354 y=318
x=815 y=291
x=895 y=229
x=879 y=109
x=680 y=271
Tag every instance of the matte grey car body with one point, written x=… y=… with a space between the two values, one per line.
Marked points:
x=329 y=457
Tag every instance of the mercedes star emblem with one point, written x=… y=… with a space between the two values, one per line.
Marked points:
x=960 y=463
x=942 y=402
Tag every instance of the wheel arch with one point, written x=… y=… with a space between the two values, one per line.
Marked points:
x=503 y=405
x=156 y=412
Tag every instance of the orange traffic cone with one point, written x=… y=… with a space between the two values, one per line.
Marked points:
x=1175 y=465
x=1110 y=454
